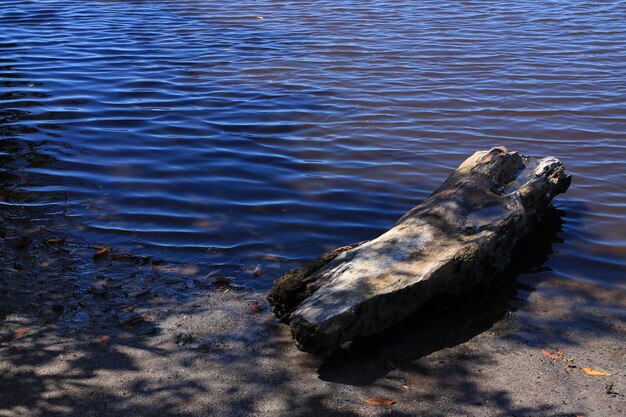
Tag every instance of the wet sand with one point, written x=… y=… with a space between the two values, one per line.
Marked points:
x=220 y=352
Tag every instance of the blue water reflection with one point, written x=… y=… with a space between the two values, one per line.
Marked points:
x=200 y=132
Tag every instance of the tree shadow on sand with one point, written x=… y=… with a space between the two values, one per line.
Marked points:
x=240 y=362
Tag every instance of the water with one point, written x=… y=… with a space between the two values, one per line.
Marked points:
x=233 y=134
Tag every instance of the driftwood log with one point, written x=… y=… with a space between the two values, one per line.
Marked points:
x=461 y=236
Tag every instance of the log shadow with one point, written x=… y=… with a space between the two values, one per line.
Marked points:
x=447 y=320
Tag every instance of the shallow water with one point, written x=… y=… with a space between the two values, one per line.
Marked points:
x=261 y=132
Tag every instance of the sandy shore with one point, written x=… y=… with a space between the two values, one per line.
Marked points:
x=111 y=336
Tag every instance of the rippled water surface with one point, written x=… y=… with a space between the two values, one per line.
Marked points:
x=264 y=132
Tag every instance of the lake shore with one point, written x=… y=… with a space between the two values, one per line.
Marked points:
x=89 y=331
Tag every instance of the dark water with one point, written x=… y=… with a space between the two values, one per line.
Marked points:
x=197 y=131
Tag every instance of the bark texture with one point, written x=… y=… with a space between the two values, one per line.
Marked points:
x=461 y=236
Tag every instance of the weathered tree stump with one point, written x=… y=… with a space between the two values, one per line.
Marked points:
x=461 y=236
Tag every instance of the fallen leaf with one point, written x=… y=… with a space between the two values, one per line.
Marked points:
x=255 y=307
x=377 y=401
x=103 y=340
x=124 y=257
x=102 y=251
x=19 y=333
x=593 y=372
x=258 y=271
x=552 y=355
